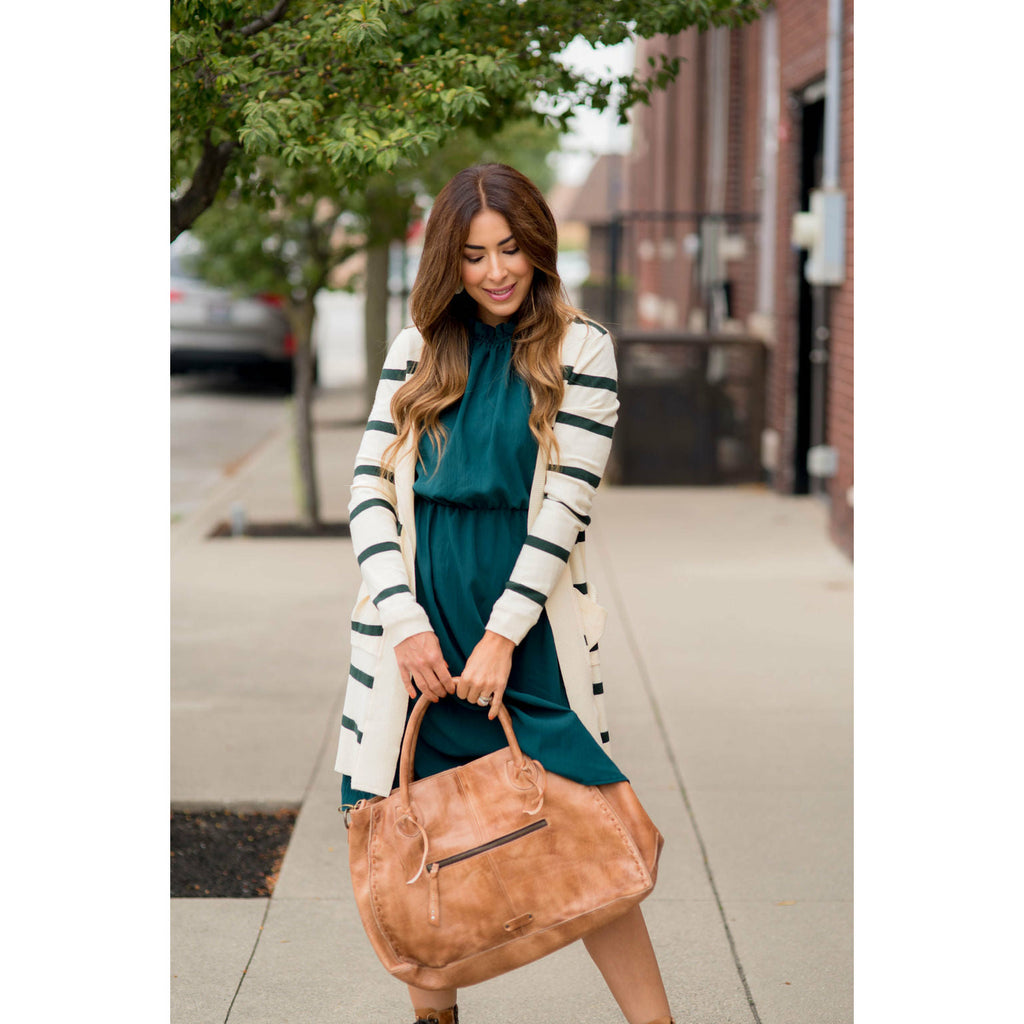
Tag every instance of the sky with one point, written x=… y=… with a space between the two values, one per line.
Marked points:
x=593 y=133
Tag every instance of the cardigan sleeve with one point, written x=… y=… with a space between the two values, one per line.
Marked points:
x=373 y=511
x=583 y=427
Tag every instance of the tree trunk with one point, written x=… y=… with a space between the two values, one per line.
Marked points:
x=202 y=190
x=387 y=219
x=303 y=315
x=375 y=316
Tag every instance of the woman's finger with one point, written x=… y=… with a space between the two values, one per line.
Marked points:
x=463 y=687
x=431 y=685
x=496 y=701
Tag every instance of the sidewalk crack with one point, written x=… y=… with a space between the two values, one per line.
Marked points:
x=634 y=646
x=248 y=963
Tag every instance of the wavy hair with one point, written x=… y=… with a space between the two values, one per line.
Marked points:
x=442 y=311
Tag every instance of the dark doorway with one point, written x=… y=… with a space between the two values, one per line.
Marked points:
x=812 y=368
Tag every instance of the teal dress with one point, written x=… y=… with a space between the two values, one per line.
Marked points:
x=471 y=510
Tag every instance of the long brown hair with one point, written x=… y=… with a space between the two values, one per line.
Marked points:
x=442 y=312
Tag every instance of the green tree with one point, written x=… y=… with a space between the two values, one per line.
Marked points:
x=361 y=86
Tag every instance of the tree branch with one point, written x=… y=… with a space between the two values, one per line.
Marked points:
x=204 y=185
x=264 y=20
x=191 y=60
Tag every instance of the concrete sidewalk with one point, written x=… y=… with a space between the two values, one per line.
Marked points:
x=728 y=666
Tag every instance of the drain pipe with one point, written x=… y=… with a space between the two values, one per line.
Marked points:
x=822 y=231
x=833 y=82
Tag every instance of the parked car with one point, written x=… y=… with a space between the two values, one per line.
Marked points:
x=217 y=329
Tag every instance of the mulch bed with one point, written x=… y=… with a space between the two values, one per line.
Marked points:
x=228 y=853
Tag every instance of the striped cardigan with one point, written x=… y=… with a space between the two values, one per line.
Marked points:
x=549 y=573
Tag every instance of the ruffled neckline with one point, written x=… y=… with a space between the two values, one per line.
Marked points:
x=479 y=331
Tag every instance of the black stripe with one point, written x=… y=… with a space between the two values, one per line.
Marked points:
x=388 y=374
x=401 y=588
x=533 y=595
x=585 y=520
x=584 y=423
x=598 y=689
x=605 y=737
x=577 y=474
x=347 y=723
x=545 y=545
x=382 y=425
x=582 y=535
x=581 y=587
x=594 y=648
x=367 y=630
x=373 y=471
x=376 y=549
x=590 y=323
x=410 y=365
x=371 y=503
x=588 y=380
x=361 y=677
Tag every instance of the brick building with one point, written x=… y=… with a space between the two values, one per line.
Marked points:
x=721 y=162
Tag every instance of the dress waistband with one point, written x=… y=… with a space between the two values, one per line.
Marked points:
x=443 y=503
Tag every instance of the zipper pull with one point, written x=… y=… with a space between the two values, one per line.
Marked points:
x=433 y=895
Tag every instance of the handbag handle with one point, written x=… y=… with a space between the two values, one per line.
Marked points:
x=412 y=732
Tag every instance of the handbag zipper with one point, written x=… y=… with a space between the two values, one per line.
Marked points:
x=434 y=869
x=492 y=845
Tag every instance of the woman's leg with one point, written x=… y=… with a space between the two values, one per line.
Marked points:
x=625 y=957
x=434 y=999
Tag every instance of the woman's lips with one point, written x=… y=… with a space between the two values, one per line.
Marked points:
x=500 y=296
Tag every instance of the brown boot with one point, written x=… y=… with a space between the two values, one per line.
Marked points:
x=449 y=1016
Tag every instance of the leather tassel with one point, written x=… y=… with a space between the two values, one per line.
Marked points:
x=434 y=897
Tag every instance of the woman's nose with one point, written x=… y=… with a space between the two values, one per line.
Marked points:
x=495 y=268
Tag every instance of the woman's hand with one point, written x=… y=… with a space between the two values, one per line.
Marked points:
x=421 y=664
x=486 y=671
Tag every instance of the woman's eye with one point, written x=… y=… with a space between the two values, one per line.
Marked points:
x=512 y=252
x=473 y=259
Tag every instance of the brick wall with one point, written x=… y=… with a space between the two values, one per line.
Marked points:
x=660 y=175
x=672 y=138
x=840 y=423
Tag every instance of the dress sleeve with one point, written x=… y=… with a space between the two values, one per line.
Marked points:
x=583 y=426
x=373 y=515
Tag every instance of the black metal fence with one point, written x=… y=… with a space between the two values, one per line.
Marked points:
x=691 y=409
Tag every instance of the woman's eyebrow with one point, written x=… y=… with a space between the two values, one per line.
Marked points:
x=504 y=241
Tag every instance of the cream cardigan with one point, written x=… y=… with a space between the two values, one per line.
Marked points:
x=550 y=571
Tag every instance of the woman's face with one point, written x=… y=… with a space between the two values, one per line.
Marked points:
x=495 y=273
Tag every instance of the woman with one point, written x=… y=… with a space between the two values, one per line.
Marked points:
x=488 y=436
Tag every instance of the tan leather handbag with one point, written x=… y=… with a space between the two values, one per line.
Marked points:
x=465 y=875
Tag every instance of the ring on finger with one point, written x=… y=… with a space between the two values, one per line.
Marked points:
x=483 y=701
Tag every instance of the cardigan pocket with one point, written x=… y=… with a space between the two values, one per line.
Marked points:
x=367 y=631
x=593 y=617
